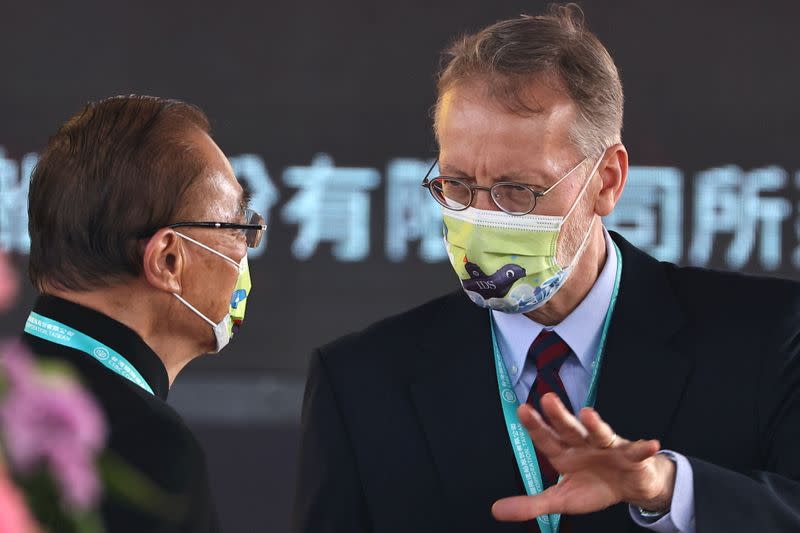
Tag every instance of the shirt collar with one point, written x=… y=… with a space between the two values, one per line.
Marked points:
x=581 y=329
x=111 y=333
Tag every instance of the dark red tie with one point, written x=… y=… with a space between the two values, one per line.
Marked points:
x=548 y=352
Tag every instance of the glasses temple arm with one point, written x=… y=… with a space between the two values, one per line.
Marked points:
x=539 y=194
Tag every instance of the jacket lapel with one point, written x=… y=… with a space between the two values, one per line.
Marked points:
x=467 y=437
x=643 y=375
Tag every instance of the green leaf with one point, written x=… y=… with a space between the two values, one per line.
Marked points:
x=128 y=484
x=44 y=501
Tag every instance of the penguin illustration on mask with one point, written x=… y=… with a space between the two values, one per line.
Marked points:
x=495 y=286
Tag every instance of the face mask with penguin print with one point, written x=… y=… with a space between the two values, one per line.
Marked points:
x=507 y=262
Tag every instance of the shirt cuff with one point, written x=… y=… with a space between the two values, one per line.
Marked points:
x=680 y=518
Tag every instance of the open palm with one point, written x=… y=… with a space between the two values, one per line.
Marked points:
x=599 y=468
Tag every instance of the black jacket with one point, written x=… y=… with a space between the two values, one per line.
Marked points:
x=707 y=362
x=145 y=432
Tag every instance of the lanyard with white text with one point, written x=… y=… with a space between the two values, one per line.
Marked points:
x=521 y=442
x=53 y=331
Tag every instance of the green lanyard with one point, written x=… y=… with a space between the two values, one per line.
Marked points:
x=56 y=332
x=521 y=442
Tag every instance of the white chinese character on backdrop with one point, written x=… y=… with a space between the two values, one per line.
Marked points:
x=14 y=184
x=729 y=201
x=650 y=211
x=333 y=205
x=411 y=213
x=251 y=170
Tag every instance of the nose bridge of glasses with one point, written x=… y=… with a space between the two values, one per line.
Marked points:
x=485 y=201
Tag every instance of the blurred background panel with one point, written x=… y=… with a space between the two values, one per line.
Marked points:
x=324 y=110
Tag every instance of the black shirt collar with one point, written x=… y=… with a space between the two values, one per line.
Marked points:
x=111 y=333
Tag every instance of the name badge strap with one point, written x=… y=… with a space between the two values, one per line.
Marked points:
x=53 y=331
x=521 y=443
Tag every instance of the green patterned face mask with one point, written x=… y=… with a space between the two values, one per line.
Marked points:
x=506 y=262
x=225 y=329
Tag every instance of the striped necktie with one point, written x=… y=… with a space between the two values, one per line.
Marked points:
x=548 y=352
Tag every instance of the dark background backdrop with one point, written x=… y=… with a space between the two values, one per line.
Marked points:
x=712 y=126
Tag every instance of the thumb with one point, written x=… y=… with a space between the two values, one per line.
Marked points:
x=524 y=508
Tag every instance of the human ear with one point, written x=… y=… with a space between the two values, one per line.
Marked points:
x=613 y=171
x=163 y=263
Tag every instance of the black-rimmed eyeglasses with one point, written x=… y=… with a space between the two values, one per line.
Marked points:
x=512 y=197
x=253 y=228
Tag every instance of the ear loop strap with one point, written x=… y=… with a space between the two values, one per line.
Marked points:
x=194 y=309
x=583 y=189
x=582 y=247
x=585 y=241
x=213 y=251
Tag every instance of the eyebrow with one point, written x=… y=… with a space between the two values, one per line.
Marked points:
x=536 y=179
x=244 y=201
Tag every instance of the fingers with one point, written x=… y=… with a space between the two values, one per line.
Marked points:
x=523 y=508
x=588 y=432
x=642 y=449
x=543 y=436
x=600 y=434
x=563 y=422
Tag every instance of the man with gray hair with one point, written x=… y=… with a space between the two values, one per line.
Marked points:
x=139 y=236
x=606 y=390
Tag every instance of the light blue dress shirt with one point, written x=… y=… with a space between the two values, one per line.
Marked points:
x=581 y=330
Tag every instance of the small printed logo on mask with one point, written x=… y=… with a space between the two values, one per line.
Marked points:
x=238 y=297
x=495 y=286
x=100 y=353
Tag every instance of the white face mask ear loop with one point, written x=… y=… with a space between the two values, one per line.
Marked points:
x=213 y=251
x=582 y=247
x=583 y=189
x=190 y=306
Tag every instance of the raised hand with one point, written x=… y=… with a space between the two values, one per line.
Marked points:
x=599 y=468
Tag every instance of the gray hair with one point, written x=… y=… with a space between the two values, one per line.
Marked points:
x=556 y=46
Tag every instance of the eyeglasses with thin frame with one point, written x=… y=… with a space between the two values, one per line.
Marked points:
x=510 y=196
x=253 y=228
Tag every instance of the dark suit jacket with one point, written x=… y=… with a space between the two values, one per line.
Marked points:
x=707 y=362
x=145 y=432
